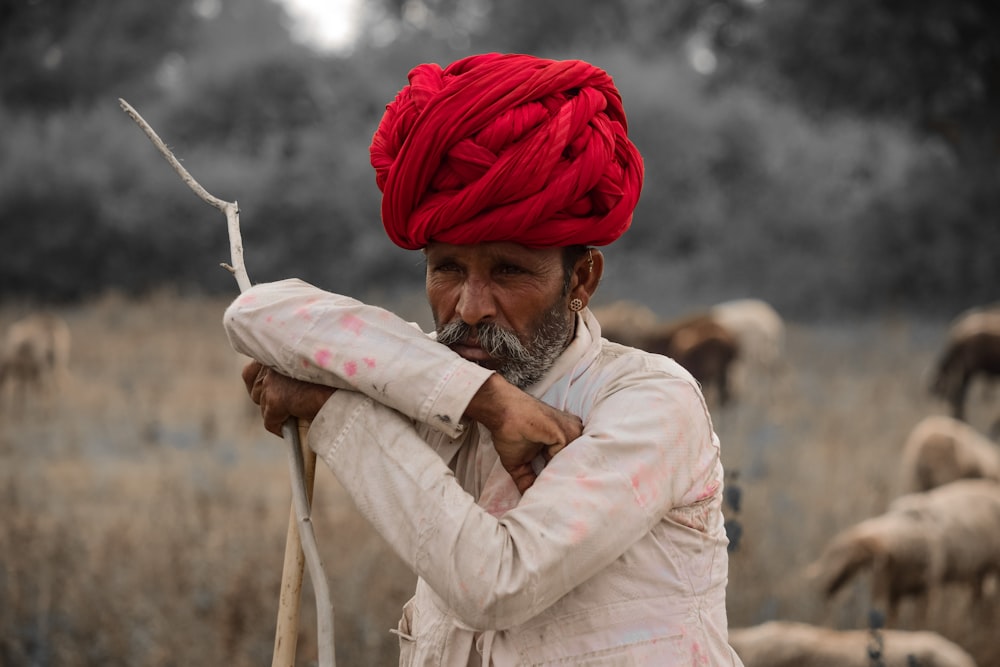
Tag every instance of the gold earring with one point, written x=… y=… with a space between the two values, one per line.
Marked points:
x=576 y=305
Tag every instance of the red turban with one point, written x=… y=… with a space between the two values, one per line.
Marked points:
x=506 y=148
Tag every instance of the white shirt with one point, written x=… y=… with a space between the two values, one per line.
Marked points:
x=615 y=556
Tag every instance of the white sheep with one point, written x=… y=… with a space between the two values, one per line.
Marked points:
x=758 y=327
x=34 y=358
x=791 y=644
x=924 y=541
x=943 y=449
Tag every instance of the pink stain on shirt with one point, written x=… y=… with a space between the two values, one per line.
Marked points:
x=637 y=483
x=350 y=368
x=578 y=531
x=304 y=312
x=322 y=357
x=647 y=485
x=369 y=362
x=353 y=324
x=637 y=490
x=698 y=655
x=247 y=299
x=709 y=490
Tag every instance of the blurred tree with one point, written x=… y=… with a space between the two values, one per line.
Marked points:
x=530 y=26
x=259 y=103
x=57 y=53
x=936 y=65
x=234 y=33
x=273 y=101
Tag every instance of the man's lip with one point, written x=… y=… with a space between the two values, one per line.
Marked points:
x=471 y=352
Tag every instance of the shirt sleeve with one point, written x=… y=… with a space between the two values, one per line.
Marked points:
x=334 y=340
x=593 y=501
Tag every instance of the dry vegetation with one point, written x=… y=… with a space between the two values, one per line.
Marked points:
x=144 y=510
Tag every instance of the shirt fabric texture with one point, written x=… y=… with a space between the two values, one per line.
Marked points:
x=615 y=556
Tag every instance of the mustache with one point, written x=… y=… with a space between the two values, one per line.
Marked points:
x=499 y=343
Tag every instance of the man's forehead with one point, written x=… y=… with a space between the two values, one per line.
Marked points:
x=492 y=251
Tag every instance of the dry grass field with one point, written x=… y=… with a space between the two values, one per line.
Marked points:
x=144 y=510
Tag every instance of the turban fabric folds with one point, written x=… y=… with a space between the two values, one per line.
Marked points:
x=506 y=147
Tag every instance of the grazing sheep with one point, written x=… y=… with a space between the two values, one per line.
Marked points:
x=972 y=349
x=758 y=327
x=942 y=449
x=790 y=644
x=705 y=348
x=702 y=346
x=34 y=358
x=924 y=541
x=625 y=322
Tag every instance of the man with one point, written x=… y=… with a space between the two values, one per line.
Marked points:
x=558 y=495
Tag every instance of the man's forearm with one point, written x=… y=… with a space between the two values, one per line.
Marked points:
x=329 y=339
x=489 y=405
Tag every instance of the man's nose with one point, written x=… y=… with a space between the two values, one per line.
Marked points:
x=476 y=303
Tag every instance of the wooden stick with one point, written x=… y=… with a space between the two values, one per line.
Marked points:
x=231 y=209
x=301 y=457
x=300 y=540
x=286 y=632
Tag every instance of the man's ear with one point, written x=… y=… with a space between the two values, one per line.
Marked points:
x=587 y=274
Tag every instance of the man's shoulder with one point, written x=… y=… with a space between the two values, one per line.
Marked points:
x=622 y=360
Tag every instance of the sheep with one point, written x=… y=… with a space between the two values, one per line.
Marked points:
x=758 y=327
x=793 y=644
x=705 y=348
x=924 y=541
x=34 y=358
x=972 y=349
x=625 y=322
x=697 y=342
x=941 y=449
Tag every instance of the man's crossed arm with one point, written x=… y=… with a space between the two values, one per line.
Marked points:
x=522 y=426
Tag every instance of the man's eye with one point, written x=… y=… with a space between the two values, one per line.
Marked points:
x=510 y=270
x=446 y=267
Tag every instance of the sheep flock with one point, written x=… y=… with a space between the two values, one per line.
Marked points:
x=940 y=532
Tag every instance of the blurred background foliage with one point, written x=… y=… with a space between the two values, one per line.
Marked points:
x=832 y=158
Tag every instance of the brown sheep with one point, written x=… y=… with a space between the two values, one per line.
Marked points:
x=705 y=348
x=702 y=346
x=924 y=541
x=790 y=644
x=759 y=328
x=942 y=449
x=972 y=349
x=34 y=358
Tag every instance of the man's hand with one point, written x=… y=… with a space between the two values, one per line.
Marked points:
x=522 y=426
x=281 y=397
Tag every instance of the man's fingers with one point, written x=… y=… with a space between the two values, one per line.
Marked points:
x=573 y=429
x=275 y=415
x=551 y=450
x=254 y=376
x=523 y=477
x=249 y=374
